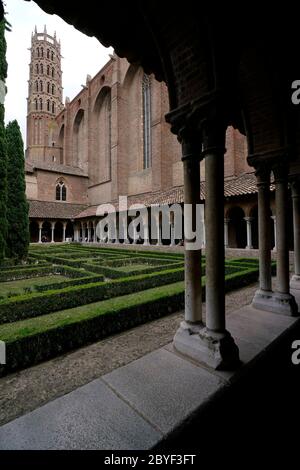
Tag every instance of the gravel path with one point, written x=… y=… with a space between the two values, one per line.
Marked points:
x=28 y=389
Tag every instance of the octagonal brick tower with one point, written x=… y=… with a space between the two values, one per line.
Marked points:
x=44 y=100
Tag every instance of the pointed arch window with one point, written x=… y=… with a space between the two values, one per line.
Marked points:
x=53 y=89
x=42 y=52
x=36 y=85
x=146 y=90
x=48 y=69
x=48 y=54
x=52 y=72
x=38 y=52
x=36 y=68
x=48 y=87
x=41 y=104
x=42 y=68
x=48 y=105
x=36 y=104
x=53 y=108
x=52 y=55
x=41 y=86
x=61 y=191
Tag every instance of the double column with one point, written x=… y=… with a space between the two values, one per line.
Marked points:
x=210 y=343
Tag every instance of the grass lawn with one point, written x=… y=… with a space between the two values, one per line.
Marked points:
x=17 y=287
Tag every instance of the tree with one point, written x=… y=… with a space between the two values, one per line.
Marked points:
x=17 y=206
x=3 y=158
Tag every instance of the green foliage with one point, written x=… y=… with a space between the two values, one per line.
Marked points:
x=3 y=63
x=3 y=184
x=17 y=206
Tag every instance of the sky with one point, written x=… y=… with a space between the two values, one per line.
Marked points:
x=82 y=55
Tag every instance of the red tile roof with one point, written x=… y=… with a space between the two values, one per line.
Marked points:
x=53 y=210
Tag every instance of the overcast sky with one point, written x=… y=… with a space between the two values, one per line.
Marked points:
x=82 y=55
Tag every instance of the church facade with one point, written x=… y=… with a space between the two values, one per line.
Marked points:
x=111 y=140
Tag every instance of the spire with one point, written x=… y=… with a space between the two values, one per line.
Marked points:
x=35 y=29
x=45 y=29
x=54 y=34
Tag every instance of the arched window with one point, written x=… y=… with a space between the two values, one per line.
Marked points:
x=48 y=105
x=146 y=89
x=42 y=68
x=53 y=89
x=48 y=69
x=36 y=104
x=48 y=87
x=36 y=68
x=53 y=108
x=42 y=52
x=41 y=104
x=41 y=86
x=36 y=85
x=38 y=52
x=61 y=191
x=52 y=72
x=52 y=55
x=48 y=54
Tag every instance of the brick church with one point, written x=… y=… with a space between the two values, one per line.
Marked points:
x=112 y=139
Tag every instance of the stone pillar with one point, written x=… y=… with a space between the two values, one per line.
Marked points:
x=286 y=303
x=146 y=229
x=64 y=231
x=295 y=186
x=89 y=232
x=249 y=232
x=94 y=231
x=52 y=231
x=40 y=231
x=159 y=242
x=263 y=298
x=172 y=242
x=82 y=232
x=226 y=222
x=273 y=217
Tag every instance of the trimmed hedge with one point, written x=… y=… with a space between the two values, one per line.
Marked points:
x=118 y=273
x=33 y=305
x=26 y=273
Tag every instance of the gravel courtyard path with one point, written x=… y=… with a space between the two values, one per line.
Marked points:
x=28 y=389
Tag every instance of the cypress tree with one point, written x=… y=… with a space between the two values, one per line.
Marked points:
x=17 y=205
x=3 y=157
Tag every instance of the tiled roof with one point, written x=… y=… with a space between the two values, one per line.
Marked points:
x=55 y=167
x=54 y=210
x=234 y=186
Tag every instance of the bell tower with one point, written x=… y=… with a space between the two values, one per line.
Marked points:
x=44 y=100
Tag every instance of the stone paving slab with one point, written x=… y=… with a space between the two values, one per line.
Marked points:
x=163 y=387
x=91 y=417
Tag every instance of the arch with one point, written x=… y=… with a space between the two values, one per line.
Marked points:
x=36 y=85
x=36 y=68
x=48 y=105
x=42 y=52
x=58 y=231
x=60 y=142
x=79 y=138
x=41 y=104
x=52 y=55
x=48 y=87
x=237 y=234
x=34 y=231
x=46 y=231
x=52 y=72
x=101 y=129
x=41 y=68
x=53 y=107
x=41 y=86
x=48 y=69
x=36 y=104
x=53 y=89
x=37 y=52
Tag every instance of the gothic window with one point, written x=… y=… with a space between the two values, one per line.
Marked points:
x=41 y=86
x=38 y=52
x=48 y=87
x=53 y=108
x=48 y=54
x=53 y=89
x=36 y=68
x=42 y=68
x=52 y=71
x=36 y=85
x=48 y=105
x=48 y=69
x=146 y=90
x=41 y=104
x=42 y=52
x=36 y=104
x=52 y=55
x=61 y=191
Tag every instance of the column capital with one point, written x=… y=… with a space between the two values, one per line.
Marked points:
x=248 y=219
x=295 y=187
x=263 y=174
x=226 y=220
x=53 y=223
x=280 y=170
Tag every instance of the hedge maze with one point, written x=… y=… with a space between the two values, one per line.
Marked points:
x=68 y=296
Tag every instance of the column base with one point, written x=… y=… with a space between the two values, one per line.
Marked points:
x=249 y=247
x=295 y=282
x=275 y=302
x=217 y=350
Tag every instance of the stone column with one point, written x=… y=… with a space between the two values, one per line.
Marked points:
x=295 y=186
x=82 y=232
x=40 y=231
x=172 y=242
x=222 y=351
x=159 y=242
x=146 y=229
x=273 y=217
x=89 y=231
x=226 y=222
x=52 y=231
x=263 y=298
x=64 y=231
x=249 y=232
x=286 y=303
x=94 y=231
